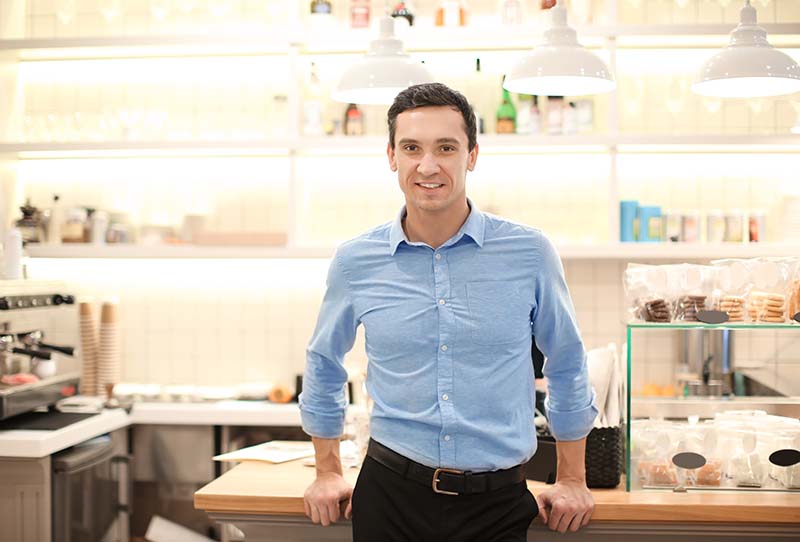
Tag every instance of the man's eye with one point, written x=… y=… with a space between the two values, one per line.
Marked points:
x=448 y=148
x=410 y=148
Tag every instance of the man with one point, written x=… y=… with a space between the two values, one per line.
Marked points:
x=449 y=298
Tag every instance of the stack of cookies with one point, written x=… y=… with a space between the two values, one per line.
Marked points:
x=734 y=306
x=767 y=307
x=794 y=299
x=654 y=309
x=688 y=306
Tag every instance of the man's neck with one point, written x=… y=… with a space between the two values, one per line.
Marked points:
x=434 y=229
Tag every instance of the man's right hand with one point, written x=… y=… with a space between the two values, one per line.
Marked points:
x=323 y=497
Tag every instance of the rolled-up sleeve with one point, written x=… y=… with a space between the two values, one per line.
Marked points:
x=570 y=399
x=322 y=401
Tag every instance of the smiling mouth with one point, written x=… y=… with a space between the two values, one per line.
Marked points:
x=430 y=186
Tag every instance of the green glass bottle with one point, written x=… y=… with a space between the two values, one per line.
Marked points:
x=506 y=115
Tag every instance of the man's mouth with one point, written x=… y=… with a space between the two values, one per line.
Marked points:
x=430 y=186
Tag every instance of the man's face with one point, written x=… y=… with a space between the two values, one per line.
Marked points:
x=431 y=157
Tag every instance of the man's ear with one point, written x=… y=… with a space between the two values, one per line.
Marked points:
x=392 y=157
x=472 y=158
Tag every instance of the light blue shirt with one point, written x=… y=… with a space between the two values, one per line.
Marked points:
x=448 y=338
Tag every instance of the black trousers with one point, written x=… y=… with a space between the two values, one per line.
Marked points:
x=390 y=508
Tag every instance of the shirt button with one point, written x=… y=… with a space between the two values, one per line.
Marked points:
x=438 y=256
x=447 y=437
x=441 y=302
x=445 y=397
x=444 y=348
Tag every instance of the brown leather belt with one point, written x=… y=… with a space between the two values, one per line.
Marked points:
x=445 y=481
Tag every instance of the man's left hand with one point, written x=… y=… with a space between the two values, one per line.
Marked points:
x=568 y=505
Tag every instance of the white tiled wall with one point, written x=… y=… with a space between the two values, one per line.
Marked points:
x=226 y=322
x=232 y=321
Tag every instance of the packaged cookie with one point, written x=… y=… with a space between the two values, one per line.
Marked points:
x=794 y=289
x=768 y=301
x=646 y=290
x=651 y=449
x=732 y=285
x=698 y=444
x=695 y=284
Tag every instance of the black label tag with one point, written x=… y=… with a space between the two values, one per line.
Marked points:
x=688 y=460
x=797 y=317
x=785 y=458
x=712 y=317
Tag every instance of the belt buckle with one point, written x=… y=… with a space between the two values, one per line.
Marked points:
x=435 y=483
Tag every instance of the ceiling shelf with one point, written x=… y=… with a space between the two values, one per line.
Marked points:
x=418 y=39
x=602 y=251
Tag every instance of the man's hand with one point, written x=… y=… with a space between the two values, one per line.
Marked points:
x=323 y=497
x=568 y=505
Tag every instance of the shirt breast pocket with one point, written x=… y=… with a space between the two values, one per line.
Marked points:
x=497 y=313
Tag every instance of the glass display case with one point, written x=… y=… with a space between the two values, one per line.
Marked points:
x=713 y=407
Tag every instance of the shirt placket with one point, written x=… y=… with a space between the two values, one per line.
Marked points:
x=444 y=377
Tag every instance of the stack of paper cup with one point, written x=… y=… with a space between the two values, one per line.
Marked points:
x=108 y=358
x=88 y=349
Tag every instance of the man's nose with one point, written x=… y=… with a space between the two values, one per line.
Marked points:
x=428 y=165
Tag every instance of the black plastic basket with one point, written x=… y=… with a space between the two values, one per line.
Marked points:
x=604 y=457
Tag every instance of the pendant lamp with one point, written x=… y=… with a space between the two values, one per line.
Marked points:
x=383 y=72
x=559 y=66
x=749 y=67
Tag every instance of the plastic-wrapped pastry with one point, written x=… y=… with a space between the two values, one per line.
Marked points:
x=747 y=470
x=709 y=474
x=662 y=473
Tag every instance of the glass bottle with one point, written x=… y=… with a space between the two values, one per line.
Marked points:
x=475 y=91
x=403 y=11
x=506 y=115
x=451 y=13
x=312 y=104
x=353 y=121
x=359 y=14
x=511 y=12
x=321 y=7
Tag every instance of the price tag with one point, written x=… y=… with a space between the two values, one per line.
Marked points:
x=688 y=460
x=785 y=458
x=712 y=317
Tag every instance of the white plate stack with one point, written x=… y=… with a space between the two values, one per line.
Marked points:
x=108 y=357
x=790 y=222
x=88 y=349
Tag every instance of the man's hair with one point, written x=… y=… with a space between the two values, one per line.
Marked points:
x=432 y=95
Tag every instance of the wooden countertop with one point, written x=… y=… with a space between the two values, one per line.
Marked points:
x=261 y=488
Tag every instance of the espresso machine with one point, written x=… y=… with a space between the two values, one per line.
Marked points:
x=38 y=326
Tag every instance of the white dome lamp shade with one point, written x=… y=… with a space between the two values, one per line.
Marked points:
x=383 y=72
x=559 y=66
x=749 y=67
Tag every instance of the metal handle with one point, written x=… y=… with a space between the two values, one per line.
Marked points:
x=68 y=350
x=127 y=460
x=41 y=354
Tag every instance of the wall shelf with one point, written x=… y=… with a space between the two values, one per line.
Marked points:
x=337 y=145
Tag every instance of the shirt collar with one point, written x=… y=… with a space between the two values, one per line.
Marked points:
x=474 y=227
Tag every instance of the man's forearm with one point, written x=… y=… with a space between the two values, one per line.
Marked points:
x=326 y=452
x=571 y=460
